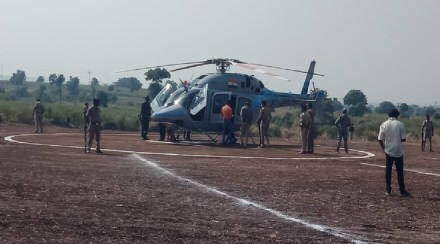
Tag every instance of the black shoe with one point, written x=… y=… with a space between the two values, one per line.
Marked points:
x=405 y=194
x=99 y=151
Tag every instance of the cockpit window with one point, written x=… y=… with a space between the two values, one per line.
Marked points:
x=173 y=97
x=186 y=98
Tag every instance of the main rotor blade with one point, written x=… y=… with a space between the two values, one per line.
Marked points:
x=158 y=66
x=294 y=70
x=188 y=67
x=247 y=66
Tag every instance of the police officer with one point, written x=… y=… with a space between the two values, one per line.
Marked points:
x=264 y=119
x=427 y=132
x=246 y=116
x=311 y=132
x=93 y=116
x=304 y=123
x=144 y=117
x=342 y=123
x=37 y=114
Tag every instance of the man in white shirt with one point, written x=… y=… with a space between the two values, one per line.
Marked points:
x=391 y=136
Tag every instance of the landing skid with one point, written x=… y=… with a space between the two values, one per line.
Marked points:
x=213 y=138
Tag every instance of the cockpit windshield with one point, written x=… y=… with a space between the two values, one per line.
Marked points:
x=170 y=101
x=185 y=99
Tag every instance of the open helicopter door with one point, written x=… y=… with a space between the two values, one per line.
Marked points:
x=219 y=99
x=200 y=101
x=159 y=101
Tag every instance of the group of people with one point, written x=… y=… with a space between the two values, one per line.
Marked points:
x=390 y=138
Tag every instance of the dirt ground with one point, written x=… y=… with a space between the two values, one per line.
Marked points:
x=155 y=192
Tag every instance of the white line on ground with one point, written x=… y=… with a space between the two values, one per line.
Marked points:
x=11 y=139
x=409 y=170
x=244 y=202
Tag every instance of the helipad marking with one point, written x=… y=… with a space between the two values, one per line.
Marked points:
x=244 y=202
x=409 y=170
x=10 y=139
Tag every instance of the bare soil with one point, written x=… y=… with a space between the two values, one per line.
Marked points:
x=155 y=192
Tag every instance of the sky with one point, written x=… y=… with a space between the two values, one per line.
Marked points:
x=388 y=49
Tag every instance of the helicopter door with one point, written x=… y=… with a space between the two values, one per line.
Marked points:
x=199 y=101
x=219 y=99
x=162 y=97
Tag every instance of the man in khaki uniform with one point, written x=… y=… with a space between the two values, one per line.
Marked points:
x=264 y=121
x=427 y=132
x=37 y=114
x=311 y=133
x=246 y=117
x=94 y=118
x=304 y=123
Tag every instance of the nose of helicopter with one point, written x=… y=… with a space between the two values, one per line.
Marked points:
x=175 y=114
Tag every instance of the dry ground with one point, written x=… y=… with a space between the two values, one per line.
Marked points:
x=152 y=192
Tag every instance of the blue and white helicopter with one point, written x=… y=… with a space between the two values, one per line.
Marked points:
x=197 y=105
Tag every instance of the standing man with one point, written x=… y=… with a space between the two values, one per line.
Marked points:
x=227 y=122
x=246 y=117
x=38 y=114
x=264 y=121
x=427 y=132
x=144 y=116
x=94 y=117
x=342 y=123
x=351 y=130
x=391 y=136
x=86 y=123
x=311 y=132
x=304 y=123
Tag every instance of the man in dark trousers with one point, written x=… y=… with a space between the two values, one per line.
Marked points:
x=144 y=117
x=391 y=136
x=342 y=123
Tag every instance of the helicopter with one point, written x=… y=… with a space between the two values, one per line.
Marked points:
x=196 y=105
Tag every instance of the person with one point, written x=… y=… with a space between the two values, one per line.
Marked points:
x=342 y=123
x=427 y=132
x=86 y=123
x=171 y=135
x=391 y=135
x=38 y=114
x=246 y=117
x=144 y=117
x=311 y=132
x=304 y=123
x=162 y=131
x=85 y=108
x=264 y=121
x=227 y=123
x=351 y=130
x=93 y=115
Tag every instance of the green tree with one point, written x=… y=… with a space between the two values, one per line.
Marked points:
x=384 y=107
x=103 y=98
x=94 y=84
x=132 y=83
x=356 y=101
x=325 y=110
x=57 y=81
x=73 y=86
x=404 y=108
x=40 y=79
x=337 y=105
x=18 y=79
x=157 y=75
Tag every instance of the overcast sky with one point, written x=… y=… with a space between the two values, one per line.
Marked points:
x=389 y=49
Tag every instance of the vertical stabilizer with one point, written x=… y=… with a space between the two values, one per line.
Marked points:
x=308 y=78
